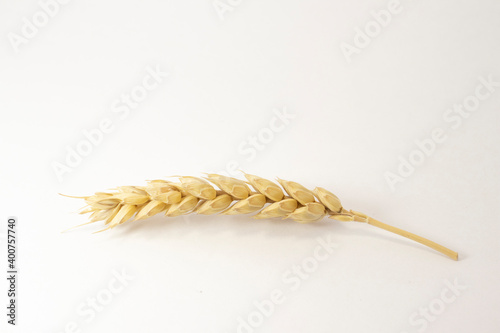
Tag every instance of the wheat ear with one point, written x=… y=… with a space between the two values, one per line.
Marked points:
x=197 y=195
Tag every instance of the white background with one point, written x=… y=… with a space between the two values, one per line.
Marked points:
x=227 y=78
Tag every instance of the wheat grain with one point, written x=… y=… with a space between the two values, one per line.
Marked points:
x=197 y=195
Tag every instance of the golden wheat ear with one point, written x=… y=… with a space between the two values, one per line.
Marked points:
x=233 y=196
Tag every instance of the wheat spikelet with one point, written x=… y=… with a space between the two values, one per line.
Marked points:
x=197 y=195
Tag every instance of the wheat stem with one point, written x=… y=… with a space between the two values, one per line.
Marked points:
x=452 y=254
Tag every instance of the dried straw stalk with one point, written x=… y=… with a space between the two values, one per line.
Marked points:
x=197 y=195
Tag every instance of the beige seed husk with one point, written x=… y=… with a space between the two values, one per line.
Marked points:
x=112 y=214
x=101 y=202
x=198 y=187
x=232 y=186
x=187 y=204
x=171 y=197
x=180 y=188
x=160 y=182
x=114 y=208
x=297 y=191
x=266 y=187
x=132 y=198
x=327 y=198
x=342 y=217
x=359 y=214
x=214 y=206
x=278 y=209
x=98 y=196
x=311 y=212
x=131 y=189
x=125 y=212
x=158 y=186
x=154 y=189
x=246 y=206
x=100 y=215
x=151 y=208
x=359 y=219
